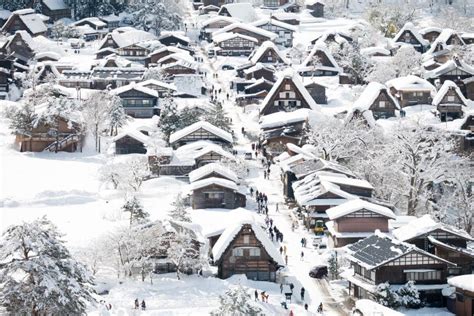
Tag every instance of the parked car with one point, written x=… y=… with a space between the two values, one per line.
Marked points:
x=248 y=156
x=318 y=272
x=317 y=241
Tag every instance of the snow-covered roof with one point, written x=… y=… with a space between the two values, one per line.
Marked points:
x=198 y=125
x=259 y=66
x=52 y=55
x=32 y=21
x=370 y=94
x=308 y=195
x=318 y=47
x=199 y=184
x=128 y=37
x=243 y=11
x=409 y=27
x=283 y=118
x=258 y=53
x=274 y=22
x=218 y=19
x=186 y=155
x=186 y=57
x=430 y=29
x=370 y=51
x=369 y=307
x=449 y=66
x=465 y=282
x=110 y=18
x=93 y=20
x=137 y=87
x=137 y=135
x=230 y=35
x=448 y=85
x=210 y=168
x=55 y=4
x=247 y=27
x=298 y=83
x=424 y=225
x=411 y=83
x=355 y=205
x=231 y=232
x=173 y=49
x=158 y=83
x=179 y=35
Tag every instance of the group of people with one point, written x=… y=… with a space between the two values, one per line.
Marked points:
x=137 y=304
x=263 y=295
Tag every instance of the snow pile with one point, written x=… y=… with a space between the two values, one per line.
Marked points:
x=465 y=282
x=369 y=307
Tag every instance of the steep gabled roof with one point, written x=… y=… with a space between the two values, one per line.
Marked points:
x=211 y=168
x=411 y=83
x=248 y=28
x=267 y=45
x=198 y=125
x=298 y=83
x=199 y=184
x=370 y=94
x=137 y=135
x=352 y=206
x=274 y=22
x=231 y=232
x=134 y=86
x=409 y=27
x=217 y=19
x=448 y=85
x=242 y=11
x=176 y=34
x=449 y=66
x=322 y=48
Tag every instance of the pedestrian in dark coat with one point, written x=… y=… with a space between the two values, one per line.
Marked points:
x=143 y=305
x=306 y=306
x=302 y=293
x=137 y=304
x=281 y=285
x=281 y=250
x=292 y=286
x=256 y=296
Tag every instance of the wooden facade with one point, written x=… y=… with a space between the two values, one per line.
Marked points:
x=383 y=106
x=431 y=36
x=412 y=97
x=200 y=134
x=236 y=46
x=269 y=56
x=133 y=52
x=317 y=9
x=15 y=23
x=55 y=13
x=317 y=92
x=217 y=196
x=286 y=98
x=258 y=73
x=129 y=145
x=407 y=37
x=247 y=255
x=17 y=47
x=451 y=106
x=172 y=40
x=285 y=34
x=139 y=104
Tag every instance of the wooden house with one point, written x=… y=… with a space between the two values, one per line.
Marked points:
x=431 y=33
x=260 y=71
x=379 y=259
x=4 y=15
x=234 y=44
x=317 y=92
x=467 y=128
x=284 y=30
x=20 y=46
x=260 y=85
x=174 y=39
x=319 y=62
x=468 y=38
x=287 y=95
x=75 y=79
x=244 y=248
x=274 y=4
x=464 y=293
x=450 y=102
x=411 y=90
x=316 y=8
x=213 y=170
x=6 y=75
x=441 y=49
x=109 y=77
x=455 y=70
x=55 y=9
x=268 y=53
x=331 y=37
x=138 y=101
x=208 y=9
x=443 y=240
x=468 y=84
x=286 y=17
x=376 y=99
x=214 y=24
x=216 y=193
x=131 y=142
x=164 y=89
x=241 y=11
x=66 y=135
x=200 y=131
x=247 y=30
x=94 y=23
x=25 y=20
x=153 y=57
x=356 y=219
x=408 y=34
x=127 y=44
x=250 y=98
x=111 y=20
x=180 y=67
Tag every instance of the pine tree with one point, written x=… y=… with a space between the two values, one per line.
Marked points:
x=409 y=295
x=187 y=116
x=236 y=302
x=38 y=276
x=169 y=117
x=334 y=267
x=135 y=208
x=217 y=117
x=117 y=116
x=22 y=119
x=179 y=211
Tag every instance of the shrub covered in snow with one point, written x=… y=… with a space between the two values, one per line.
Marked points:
x=409 y=296
x=236 y=302
x=385 y=296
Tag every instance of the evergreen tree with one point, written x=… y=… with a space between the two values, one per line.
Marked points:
x=179 y=211
x=236 y=302
x=38 y=276
x=22 y=119
x=409 y=295
x=169 y=118
x=187 y=116
x=135 y=208
x=217 y=117
x=117 y=116
x=385 y=296
x=334 y=267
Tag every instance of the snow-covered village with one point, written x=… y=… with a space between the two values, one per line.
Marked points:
x=237 y=157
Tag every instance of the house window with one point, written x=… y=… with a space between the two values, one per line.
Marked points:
x=246 y=239
x=275 y=103
x=237 y=252
x=254 y=252
x=382 y=104
x=423 y=275
x=214 y=196
x=287 y=87
x=450 y=98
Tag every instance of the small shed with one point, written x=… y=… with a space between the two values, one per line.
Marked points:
x=464 y=285
x=216 y=193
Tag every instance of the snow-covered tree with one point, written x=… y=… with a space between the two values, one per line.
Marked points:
x=116 y=115
x=409 y=296
x=169 y=117
x=217 y=117
x=236 y=302
x=135 y=172
x=348 y=57
x=179 y=211
x=334 y=265
x=135 y=208
x=38 y=276
x=157 y=15
x=406 y=61
x=111 y=173
x=390 y=18
x=188 y=116
x=386 y=296
x=183 y=252
x=22 y=119
x=156 y=73
x=296 y=54
x=61 y=30
x=382 y=72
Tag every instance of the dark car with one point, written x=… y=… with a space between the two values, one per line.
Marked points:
x=318 y=272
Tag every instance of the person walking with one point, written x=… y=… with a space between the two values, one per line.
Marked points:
x=302 y=293
x=284 y=249
x=281 y=250
x=256 y=296
x=286 y=260
x=251 y=192
x=305 y=306
x=281 y=287
x=137 y=304
x=302 y=242
x=320 y=308
x=302 y=255
x=143 y=305
x=264 y=174
x=276 y=208
x=292 y=286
